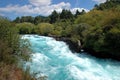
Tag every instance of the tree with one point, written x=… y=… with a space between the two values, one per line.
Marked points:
x=77 y=13
x=96 y=6
x=37 y=20
x=25 y=28
x=82 y=12
x=63 y=14
x=45 y=28
x=10 y=50
x=27 y=19
x=108 y=4
x=69 y=14
x=66 y=15
x=17 y=20
x=54 y=17
x=92 y=18
x=112 y=41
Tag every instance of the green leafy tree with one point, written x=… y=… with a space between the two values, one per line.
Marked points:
x=54 y=17
x=37 y=20
x=108 y=5
x=10 y=43
x=77 y=13
x=25 y=28
x=27 y=19
x=112 y=41
x=45 y=28
x=66 y=14
x=17 y=20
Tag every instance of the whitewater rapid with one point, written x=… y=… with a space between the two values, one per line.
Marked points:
x=53 y=59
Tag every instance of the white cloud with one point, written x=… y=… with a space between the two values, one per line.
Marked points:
x=100 y=1
x=38 y=7
x=31 y=9
x=60 y=6
x=17 y=9
x=79 y=9
x=40 y=2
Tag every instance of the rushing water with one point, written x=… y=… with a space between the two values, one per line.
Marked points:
x=54 y=59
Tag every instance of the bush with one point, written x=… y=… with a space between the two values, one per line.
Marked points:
x=13 y=50
x=45 y=28
x=26 y=28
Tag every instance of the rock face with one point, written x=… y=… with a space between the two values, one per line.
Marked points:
x=77 y=47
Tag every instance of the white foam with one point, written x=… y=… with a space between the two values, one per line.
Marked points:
x=78 y=74
x=38 y=57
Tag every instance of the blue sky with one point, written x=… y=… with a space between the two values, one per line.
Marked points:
x=14 y=8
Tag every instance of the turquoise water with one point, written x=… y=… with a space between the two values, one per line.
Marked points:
x=53 y=59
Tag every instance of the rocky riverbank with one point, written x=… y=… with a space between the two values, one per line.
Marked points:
x=76 y=47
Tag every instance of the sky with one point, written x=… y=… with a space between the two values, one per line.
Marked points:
x=15 y=8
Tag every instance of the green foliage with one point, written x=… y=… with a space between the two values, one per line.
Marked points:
x=54 y=17
x=112 y=41
x=79 y=32
x=10 y=44
x=45 y=28
x=107 y=5
x=92 y=18
x=26 y=28
x=79 y=13
x=35 y=20
x=80 y=28
x=13 y=50
x=8 y=41
x=103 y=34
x=41 y=19
x=25 y=19
x=65 y=14
x=64 y=28
x=57 y=30
x=111 y=17
x=94 y=39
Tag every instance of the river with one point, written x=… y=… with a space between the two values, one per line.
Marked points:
x=54 y=59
